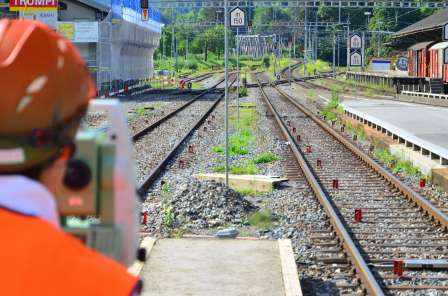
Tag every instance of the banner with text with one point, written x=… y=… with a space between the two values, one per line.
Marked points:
x=79 y=31
x=30 y=5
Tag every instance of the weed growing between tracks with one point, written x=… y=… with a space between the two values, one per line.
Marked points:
x=242 y=144
x=333 y=110
x=398 y=166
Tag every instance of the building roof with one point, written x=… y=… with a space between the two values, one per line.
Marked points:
x=440 y=45
x=420 y=45
x=432 y=22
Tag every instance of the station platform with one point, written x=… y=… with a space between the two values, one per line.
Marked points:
x=391 y=78
x=211 y=266
x=424 y=128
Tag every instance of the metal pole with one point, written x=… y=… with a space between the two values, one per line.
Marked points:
x=237 y=77
x=226 y=90
x=306 y=43
x=348 y=47
x=362 y=51
x=339 y=20
x=186 y=49
x=334 y=54
x=294 y=44
x=289 y=64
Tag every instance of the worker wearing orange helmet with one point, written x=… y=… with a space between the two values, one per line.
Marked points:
x=45 y=90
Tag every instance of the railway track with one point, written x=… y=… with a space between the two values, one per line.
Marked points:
x=378 y=224
x=159 y=162
x=138 y=135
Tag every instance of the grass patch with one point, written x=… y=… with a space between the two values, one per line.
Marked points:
x=385 y=156
x=243 y=91
x=261 y=219
x=244 y=167
x=168 y=216
x=247 y=192
x=141 y=111
x=370 y=87
x=332 y=110
x=265 y=157
x=398 y=165
x=315 y=67
x=239 y=142
x=218 y=149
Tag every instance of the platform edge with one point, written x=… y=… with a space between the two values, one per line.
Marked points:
x=289 y=269
x=147 y=244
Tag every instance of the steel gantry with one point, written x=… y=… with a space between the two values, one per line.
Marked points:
x=404 y=4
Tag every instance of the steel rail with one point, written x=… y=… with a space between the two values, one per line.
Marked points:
x=367 y=278
x=410 y=194
x=155 y=172
x=137 y=136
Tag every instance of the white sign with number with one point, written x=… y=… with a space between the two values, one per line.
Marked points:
x=237 y=18
x=355 y=59
x=355 y=41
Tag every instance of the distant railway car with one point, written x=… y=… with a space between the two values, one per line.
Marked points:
x=418 y=64
x=437 y=67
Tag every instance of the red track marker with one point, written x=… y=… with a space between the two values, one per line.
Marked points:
x=335 y=184
x=398 y=267
x=358 y=215
x=422 y=183
x=145 y=218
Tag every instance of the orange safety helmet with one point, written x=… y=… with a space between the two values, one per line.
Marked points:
x=45 y=91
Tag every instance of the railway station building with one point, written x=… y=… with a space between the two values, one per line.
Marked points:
x=427 y=51
x=111 y=36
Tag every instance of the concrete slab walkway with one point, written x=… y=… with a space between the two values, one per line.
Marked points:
x=221 y=267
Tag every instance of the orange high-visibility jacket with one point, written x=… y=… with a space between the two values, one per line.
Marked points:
x=36 y=258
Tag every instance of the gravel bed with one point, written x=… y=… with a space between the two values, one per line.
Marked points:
x=146 y=110
x=152 y=148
